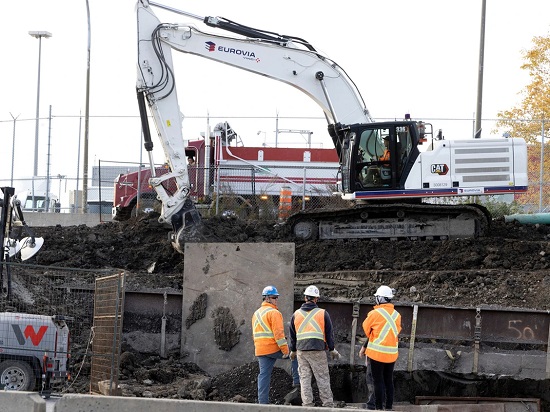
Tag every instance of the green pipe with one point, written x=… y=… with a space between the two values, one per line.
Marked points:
x=540 y=218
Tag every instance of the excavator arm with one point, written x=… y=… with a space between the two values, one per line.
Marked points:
x=288 y=59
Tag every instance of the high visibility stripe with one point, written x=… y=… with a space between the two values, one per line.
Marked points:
x=267 y=332
x=309 y=320
x=390 y=319
x=390 y=350
x=281 y=342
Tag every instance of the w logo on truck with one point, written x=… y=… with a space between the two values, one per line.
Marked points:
x=29 y=333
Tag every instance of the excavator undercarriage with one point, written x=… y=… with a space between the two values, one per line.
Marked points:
x=392 y=221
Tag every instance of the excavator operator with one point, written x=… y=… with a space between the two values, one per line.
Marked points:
x=374 y=176
x=386 y=155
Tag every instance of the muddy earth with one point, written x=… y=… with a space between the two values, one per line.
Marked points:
x=508 y=268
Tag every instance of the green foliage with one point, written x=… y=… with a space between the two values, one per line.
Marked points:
x=530 y=119
x=524 y=119
x=500 y=209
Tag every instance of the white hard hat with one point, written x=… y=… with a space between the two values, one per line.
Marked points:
x=312 y=291
x=385 y=292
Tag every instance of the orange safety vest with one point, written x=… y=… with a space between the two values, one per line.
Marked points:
x=382 y=326
x=310 y=325
x=386 y=156
x=268 y=331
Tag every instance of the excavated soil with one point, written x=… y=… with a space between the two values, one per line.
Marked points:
x=508 y=268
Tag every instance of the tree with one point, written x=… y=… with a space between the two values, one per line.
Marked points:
x=531 y=117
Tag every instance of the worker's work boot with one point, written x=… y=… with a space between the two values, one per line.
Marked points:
x=294 y=397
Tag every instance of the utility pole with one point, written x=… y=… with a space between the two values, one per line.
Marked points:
x=86 y=123
x=477 y=134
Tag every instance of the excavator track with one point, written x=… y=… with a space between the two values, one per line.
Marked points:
x=392 y=221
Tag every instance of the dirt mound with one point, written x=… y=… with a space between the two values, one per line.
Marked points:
x=507 y=268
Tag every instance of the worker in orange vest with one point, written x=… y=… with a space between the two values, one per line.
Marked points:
x=270 y=342
x=386 y=155
x=310 y=336
x=382 y=327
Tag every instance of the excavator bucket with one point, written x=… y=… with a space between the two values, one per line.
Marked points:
x=187 y=225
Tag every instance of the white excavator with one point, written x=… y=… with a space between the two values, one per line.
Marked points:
x=388 y=169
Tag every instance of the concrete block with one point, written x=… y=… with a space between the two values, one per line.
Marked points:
x=105 y=388
x=222 y=287
x=499 y=364
x=519 y=364
x=11 y=401
x=144 y=342
x=453 y=408
x=91 y=403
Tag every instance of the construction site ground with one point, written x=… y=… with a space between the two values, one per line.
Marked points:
x=508 y=268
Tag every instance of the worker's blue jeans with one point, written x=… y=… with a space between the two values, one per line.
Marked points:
x=266 y=363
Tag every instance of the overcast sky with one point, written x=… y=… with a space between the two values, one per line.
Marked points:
x=419 y=57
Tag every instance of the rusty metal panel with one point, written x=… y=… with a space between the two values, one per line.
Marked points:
x=515 y=326
x=452 y=324
x=108 y=314
x=443 y=323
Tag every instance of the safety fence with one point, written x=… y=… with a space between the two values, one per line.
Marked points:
x=247 y=191
x=63 y=299
x=108 y=316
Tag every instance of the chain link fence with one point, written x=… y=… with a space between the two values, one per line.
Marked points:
x=248 y=191
x=63 y=192
x=64 y=295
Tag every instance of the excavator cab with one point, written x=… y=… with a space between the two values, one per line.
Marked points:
x=380 y=155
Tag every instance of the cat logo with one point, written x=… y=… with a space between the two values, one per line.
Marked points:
x=440 y=169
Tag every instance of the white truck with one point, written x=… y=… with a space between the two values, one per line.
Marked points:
x=34 y=351
x=37 y=198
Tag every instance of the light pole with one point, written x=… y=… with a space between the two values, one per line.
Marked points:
x=13 y=148
x=38 y=35
x=264 y=133
x=59 y=195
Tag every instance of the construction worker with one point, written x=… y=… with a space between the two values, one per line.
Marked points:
x=374 y=173
x=386 y=155
x=270 y=342
x=310 y=336
x=382 y=327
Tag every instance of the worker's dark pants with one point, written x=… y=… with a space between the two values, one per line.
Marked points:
x=382 y=375
x=371 y=404
x=266 y=364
